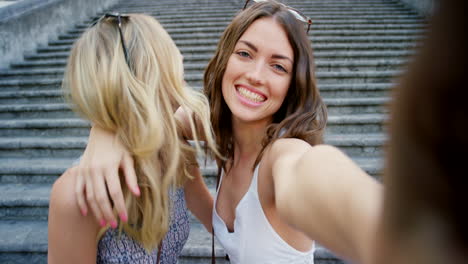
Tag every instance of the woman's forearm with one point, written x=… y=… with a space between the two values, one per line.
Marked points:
x=199 y=200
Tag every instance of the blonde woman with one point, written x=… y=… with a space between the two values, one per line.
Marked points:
x=125 y=75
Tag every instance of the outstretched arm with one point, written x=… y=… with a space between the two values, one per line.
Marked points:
x=322 y=192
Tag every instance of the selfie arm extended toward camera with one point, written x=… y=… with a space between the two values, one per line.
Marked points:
x=322 y=192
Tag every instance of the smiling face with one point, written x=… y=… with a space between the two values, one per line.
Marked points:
x=258 y=73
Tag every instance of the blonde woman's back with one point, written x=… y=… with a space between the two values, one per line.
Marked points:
x=111 y=243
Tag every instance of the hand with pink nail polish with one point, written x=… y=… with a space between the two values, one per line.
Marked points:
x=98 y=178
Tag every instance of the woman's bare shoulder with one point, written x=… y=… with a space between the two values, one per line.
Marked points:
x=283 y=150
x=72 y=236
x=62 y=195
x=63 y=203
x=286 y=147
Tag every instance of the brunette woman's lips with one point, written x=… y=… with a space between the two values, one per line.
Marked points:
x=249 y=96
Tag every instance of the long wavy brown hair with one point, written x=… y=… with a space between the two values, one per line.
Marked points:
x=302 y=115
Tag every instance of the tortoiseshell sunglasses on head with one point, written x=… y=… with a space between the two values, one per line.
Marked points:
x=118 y=18
x=297 y=14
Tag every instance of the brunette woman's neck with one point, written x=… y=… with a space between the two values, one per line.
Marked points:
x=247 y=139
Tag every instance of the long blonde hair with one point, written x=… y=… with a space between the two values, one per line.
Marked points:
x=137 y=102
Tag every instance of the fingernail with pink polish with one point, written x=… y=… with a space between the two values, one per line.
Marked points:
x=102 y=223
x=113 y=224
x=137 y=191
x=123 y=217
x=84 y=212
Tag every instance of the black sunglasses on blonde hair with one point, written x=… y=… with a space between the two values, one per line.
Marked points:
x=296 y=13
x=118 y=18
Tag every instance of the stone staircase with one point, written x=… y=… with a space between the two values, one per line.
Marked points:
x=360 y=47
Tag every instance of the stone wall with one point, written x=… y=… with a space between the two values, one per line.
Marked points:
x=28 y=23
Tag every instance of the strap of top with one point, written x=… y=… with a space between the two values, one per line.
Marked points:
x=159 y=252
x=213 y=257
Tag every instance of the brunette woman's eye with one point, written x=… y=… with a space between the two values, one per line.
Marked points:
x=244 y=54
x=280 y=68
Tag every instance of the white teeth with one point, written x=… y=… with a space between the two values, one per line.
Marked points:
x=251 y=95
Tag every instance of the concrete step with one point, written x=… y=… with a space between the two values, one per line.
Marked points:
x=204 y=21
x=204 y=34
x=324 y=55
x=39 y=64
x=297 y=4
x=56 y=67
x=227 y=10
x=347 y=106
x=193 y=20
x=33 y=84
x=326 y=90
x=175 y=8
x=214 y=32
x=319 y=47
x=47 y=83
x=316 y=16
x=34 y=96
x=63 y=110
x=356 y=124
x=360 y=65
x=37 y=147
x=163 y=13
x=45 y=170
x=41 y=170
x=194 y=3
x=43 y=70
x=149 y=3
x=196 y=79
x=15 y=205
x=58 y=127
x=361 y=77
x=26 y=242
x=9 y=111
x=181 y=42
x=44 y=127
x=345 y=90
x=358 y=145
x=220 y=26
x=23 y=242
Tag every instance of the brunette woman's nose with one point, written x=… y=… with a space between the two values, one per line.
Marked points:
x=254 y=75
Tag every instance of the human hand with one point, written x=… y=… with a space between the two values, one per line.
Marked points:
x=97 y=177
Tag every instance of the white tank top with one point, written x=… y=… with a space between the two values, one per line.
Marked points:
x=254 y=240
